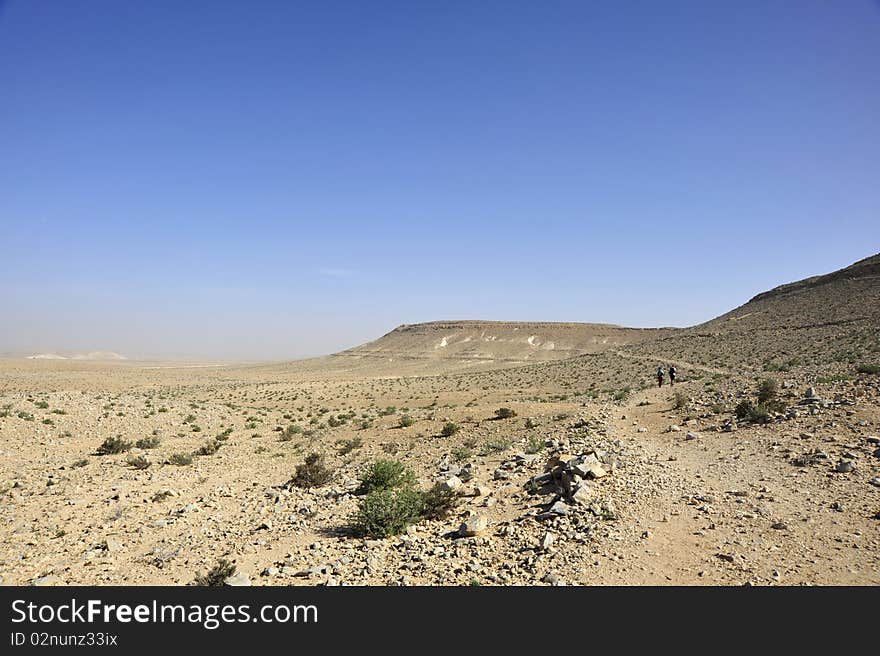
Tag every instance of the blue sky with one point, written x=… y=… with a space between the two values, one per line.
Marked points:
x=268 y=180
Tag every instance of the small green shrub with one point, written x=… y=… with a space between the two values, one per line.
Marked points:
x=209 y=448
x=386 y=475
x=147 y=442
x=138 y=462
x=386 y=512
x=536 y=444
x=767 y=390
x=290 y=432
x=406 y=421
x=113 y=445
x=347 y=446
x=461 y=454
x=449 y=429
x=679 y=400
x=754 y=413
x=744 y=409
x=873 y=369
x=439 y=502
x=497 y=445
x=312 y=473
x=180 y=459
x=504 y=413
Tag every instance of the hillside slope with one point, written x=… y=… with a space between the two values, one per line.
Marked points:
x=501 y=341
x=822 y=320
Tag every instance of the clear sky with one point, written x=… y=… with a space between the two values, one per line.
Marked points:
x=268 y=180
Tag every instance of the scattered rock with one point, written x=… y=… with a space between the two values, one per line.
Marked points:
x=474 y=525
x=452 y=483
x=112 y=545
x=238 y=579
x=551 y=578
x=845 y=466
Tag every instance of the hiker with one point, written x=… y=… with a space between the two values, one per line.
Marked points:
x=672 y=373
x=659 y=376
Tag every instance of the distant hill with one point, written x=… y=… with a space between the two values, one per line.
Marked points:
x=827 y=319
x=92 y=355
x=501 y=341
x=831 y=318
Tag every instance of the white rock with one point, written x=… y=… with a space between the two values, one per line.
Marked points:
x=475 y=525
x=238 y=579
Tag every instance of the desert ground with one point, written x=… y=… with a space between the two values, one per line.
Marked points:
x=562 y=461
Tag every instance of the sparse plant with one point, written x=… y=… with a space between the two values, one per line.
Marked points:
x=217 y=575
x=504 y=413
x=622 y=394
x=535 y=444
x=767 y=390
x=461 y=454
x=386 y=512
x=290 y=432
x=406 y=421
x=113 y=445
x=347 y=446
x=872 y=369
x=209 y=448
x=138 y=462
x=497 y=445
x=147 y=442
x=439 y=502
x=751 y=412
x=386 y=475
x=180 y=459
x=312 y=473
x=449 y=429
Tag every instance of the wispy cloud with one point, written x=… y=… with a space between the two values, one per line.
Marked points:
x=333 y=272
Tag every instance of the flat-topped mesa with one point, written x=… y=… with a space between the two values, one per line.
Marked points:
x=502 y=340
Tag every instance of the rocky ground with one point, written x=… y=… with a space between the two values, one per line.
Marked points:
x=593 y=481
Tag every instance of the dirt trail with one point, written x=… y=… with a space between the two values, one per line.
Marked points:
x=735 y=513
